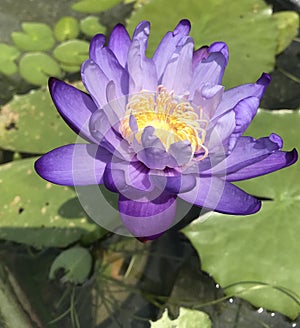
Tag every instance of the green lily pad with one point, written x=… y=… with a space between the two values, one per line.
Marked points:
x=76 y=263
x=8 y=54
x=187 y=319
x=90 y=26
x=256 y=257
x=36 y=212
x=66 y=28
x=245 y=26
x=72 y=52
x=288 y=25
x=30 y=123
x=36 y=37
x=94 y=6
x=37 y=67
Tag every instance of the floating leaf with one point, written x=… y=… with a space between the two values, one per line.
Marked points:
x=90 y=26
x=94 y=6
x=66 y=28
x=256 y=256
x=30 y=123
x=187 y=319
x=37 y=67
x=245 y=25
x=36 y=212
x=288 y=25
x=37 y=37
x=76 y=263
x=8 y=54
x=72 y=52
x=70 y=68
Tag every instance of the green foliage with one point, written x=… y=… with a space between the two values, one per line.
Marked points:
x=94 y=6
x=187 y=319
x=256 y=257
x=37 y=67
x=72 y=52
x=245 y=26
x=66 y=28
x=90 y=26
x=36 y=37
x=37 y=212
x=76 y=263
x=8 y=54
x=30 y=123
x=288 y=25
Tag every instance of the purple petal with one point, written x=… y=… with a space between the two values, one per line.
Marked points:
x=95 y=81
x=75 y=106
x=97 y=42
x=208 y=97
x=153 y=153
x=246 y=152
x=178 y=72
x=209 y=70
x=148 y=217
x=107 y=136
x=181 y=152
x=168 y=45
x=128 y=178
x=245 y=111
x=221 y=196
x=273 y=162
x=198 y=55
x=232 y=96
x=172 y=181
x=218 y=135
x=119 y=43
x=109 y=64
x=220 y=47
x=141 y=69
x=73 y=165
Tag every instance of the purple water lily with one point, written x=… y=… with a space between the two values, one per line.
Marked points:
x=161 y=128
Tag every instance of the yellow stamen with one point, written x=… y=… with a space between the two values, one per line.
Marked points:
x=173 y=119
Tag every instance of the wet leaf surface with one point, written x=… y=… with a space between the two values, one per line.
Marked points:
x=255 y=257
x=36 y=212
x=30 y=123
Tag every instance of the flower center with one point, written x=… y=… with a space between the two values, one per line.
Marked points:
x=174 y=120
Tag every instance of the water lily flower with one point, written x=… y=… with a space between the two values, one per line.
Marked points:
x=161 y=128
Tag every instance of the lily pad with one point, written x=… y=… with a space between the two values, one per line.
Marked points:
x=8 y=54
x=94 y=6
x=256 y=257
x=90 y=26
x=72 y=52
x=37 y=67
x=30 y=123
x=245 y=25
x=36 y=212
x=187 y=319
x=66 y=28
x=76 y=263
x=288 y=25
x=36 y=37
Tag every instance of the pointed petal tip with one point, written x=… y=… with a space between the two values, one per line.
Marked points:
x=183 y=27
x=143 y=26
x=265 y=79
x=220 y=47
x=292 y=157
